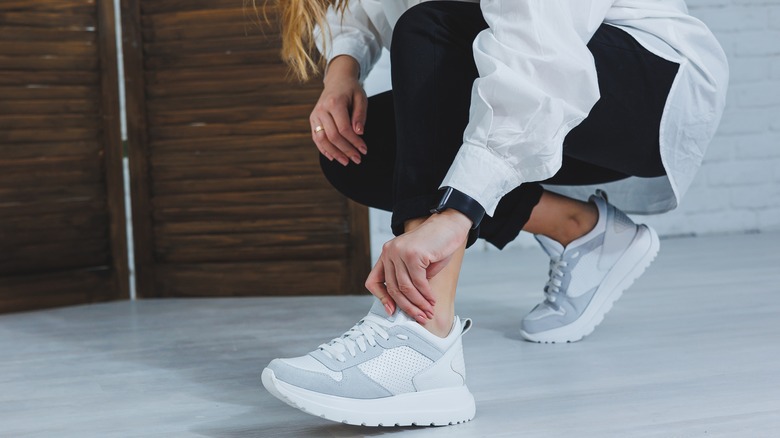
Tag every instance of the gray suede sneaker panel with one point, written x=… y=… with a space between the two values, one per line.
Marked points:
x=353 y=384
x=570 y=308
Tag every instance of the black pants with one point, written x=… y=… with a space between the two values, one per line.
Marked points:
x=414 y=131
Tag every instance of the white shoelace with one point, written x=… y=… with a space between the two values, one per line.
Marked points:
x=553 y=287
x=359 y=337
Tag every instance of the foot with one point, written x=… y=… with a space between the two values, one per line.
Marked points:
x=589 y=275
x=384 y=371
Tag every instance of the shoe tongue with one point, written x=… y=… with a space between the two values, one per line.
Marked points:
x=551 y=247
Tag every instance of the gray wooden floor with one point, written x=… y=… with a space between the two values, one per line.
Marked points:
x=692 y=349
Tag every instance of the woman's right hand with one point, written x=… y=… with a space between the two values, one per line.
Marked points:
x=341 y=112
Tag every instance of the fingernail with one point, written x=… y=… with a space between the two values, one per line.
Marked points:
x=363 y=150
x=422 y=318
x=356 y=159
x=389 y=309
x=359 y=128
x=343 y=161
x=329 y=157
x=430 y=315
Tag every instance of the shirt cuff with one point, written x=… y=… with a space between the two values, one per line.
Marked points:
x=482 y=175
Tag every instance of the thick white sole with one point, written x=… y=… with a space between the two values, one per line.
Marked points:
x=439 y=407
x=629 y=267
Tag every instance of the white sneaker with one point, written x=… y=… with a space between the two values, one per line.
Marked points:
x=382 y=372
x=589 y=275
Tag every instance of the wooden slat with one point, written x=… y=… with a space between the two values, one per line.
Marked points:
x=40 y=106
x=19 y=94
x=57 y=63
x=61 y=288
x=83 y=22
x=16 y=196
x=43 y=173
x=62 y=7
x=228 y=16
x=33 y=78
x=48 y=135
x=247 y=114
x=280 y=182
x=55 y=256
x=26 y=34
x=206 y=31
x=220 y=200
x=194 y=212
x=253 y=225
x=52 y=48
x=226 y=59
x=259 y=128
x=51 y=121
x=275 y=247
x=163 y=173
x=249 y=279
x=162 y=6
x=43 y=150
x=285 y=140
x=262 y=99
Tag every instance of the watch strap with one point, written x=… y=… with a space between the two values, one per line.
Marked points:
x=457 y=200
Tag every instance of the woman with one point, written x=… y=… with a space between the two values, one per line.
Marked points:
x=502 y=117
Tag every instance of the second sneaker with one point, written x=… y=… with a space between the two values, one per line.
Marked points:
x=589 y=275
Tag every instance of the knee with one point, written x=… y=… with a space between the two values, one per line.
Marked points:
x=414 y=27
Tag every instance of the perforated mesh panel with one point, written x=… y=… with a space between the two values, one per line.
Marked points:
x=395 y=368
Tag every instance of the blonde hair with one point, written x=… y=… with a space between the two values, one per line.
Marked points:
x=298 y=20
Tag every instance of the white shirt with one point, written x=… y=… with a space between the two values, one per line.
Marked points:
x=537 y=81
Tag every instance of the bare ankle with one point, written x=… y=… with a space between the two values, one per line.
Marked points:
x=577 y=224
x=440 y=325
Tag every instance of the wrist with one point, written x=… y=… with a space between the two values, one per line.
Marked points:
x=455 y=218
x=342 y=67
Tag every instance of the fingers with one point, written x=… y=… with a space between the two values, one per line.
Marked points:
x=334 y=133
x=359 y=111
x=322 y=125
x=336 y=139
x=419 y=281
x=375 y=283
x=346 y=129
x=330 y=142
x=437 y=267
x=418 y=305
x=401 y=292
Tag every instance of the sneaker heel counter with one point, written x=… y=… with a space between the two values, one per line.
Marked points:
x=449 y=371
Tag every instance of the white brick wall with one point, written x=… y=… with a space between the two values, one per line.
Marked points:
x=738 y=187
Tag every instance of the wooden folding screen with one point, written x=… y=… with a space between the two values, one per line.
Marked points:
x=228 y=198
x=62 y=228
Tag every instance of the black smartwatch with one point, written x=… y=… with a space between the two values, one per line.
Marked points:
x=461 y=202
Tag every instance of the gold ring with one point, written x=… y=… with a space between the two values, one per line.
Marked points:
x=318 y=129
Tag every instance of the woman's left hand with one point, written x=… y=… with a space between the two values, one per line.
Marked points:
x=407 y=263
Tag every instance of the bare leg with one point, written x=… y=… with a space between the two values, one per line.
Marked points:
x=443 y=286
x=561 y=218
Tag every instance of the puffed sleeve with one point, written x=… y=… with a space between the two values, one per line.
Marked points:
x=355 y=36
x=537 y=81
